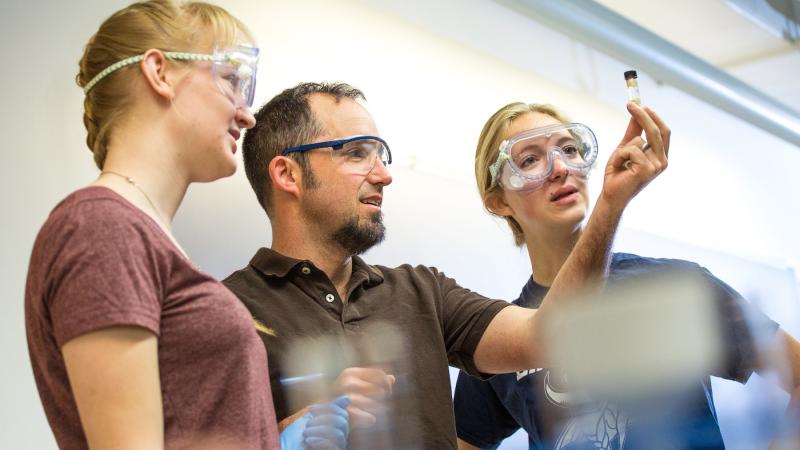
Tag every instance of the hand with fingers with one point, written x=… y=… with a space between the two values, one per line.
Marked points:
x=636 y=161
x=369 y=390
x=328 y=427
x=324 y=427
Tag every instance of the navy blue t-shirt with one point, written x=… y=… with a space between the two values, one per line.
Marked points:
x=538 y=400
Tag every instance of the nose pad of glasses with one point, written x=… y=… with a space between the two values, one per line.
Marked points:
x=384 y=167
x=556 y=157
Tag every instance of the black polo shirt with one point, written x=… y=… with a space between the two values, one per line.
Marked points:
x=438 y=322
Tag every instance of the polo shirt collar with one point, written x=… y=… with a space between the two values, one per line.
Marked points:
x=373 y=274
x=271 y=263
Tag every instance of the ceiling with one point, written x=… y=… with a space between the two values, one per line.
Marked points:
x=717 y=32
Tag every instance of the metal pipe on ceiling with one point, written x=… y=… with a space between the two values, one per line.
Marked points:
x=613 y=34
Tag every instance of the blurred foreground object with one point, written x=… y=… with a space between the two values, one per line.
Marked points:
x=644 y=343
x=313 y=366
x=645 y=335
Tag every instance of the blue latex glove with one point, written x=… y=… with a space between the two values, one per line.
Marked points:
x=324 y=427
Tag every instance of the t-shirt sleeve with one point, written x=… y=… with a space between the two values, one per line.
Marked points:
x=100 y=271
x=465 y=316
x=481 y=419
x=743 y=328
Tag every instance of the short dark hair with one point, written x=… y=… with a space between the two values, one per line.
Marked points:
x=286 y=121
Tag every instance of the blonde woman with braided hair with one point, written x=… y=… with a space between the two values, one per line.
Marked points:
x=132 y=345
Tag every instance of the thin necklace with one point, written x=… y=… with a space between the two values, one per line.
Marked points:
x=159 y=219
x=152 y=205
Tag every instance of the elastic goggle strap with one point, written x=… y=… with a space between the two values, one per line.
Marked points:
x=135 y=59
x=494 y=169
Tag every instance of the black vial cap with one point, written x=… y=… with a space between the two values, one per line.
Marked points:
x=630 y=74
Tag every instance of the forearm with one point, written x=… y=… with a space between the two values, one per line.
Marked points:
x=584 y=272
x=516 y=338
x=586 y=268
x=788 y=352
x=462 y=445
x=629 y=169
x=114 y=377
x=792 y=439
x=290 y=419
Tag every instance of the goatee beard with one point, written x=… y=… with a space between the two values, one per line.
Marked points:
x=357 y=238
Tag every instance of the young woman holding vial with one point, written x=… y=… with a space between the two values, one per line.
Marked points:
x=531 y=167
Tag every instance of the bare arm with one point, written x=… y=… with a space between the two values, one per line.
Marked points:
x=628 y=171
x=513 y=340
x=790 y=382
x=283 y=424
x=790 y=379
x=792 y=413
x=465 y=446
x=114 y=377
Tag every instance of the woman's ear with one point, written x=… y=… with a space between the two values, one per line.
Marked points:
x=495 y=202
x=285 y=174
x=154 y=69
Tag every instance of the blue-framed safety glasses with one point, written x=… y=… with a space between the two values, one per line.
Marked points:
x=357 y=153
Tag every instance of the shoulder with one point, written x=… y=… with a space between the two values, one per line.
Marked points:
x=627 y=260
x=407 y=269
x=628 y=264
x=424 y=279
x=93 y=198
x=428 y=285
x=246 y=284
x=95 y=233
x=98 y=262
x=97 y=212
x=624 y=265
x=414 y=274
x=239 y=276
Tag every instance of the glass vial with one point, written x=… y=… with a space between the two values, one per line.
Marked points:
x=633 y=87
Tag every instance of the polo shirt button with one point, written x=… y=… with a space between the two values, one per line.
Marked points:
x=329 y=298
x=305 y=270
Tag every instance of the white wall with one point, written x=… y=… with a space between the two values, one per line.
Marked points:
x=433 y=72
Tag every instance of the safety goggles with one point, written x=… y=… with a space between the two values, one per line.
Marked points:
x=358 y=153
x=233 y=70
x=527 y=159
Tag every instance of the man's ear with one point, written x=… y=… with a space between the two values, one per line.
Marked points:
x=155 y=70
x=285 y=174
x=495 y=202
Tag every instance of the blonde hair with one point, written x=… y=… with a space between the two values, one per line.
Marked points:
x=156 y=24
x=492 y=135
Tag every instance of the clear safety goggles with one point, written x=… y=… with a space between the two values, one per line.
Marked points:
x=357 y=154
x=527 y=159
x=233 y=70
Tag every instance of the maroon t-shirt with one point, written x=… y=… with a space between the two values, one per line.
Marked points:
x=100 y=262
